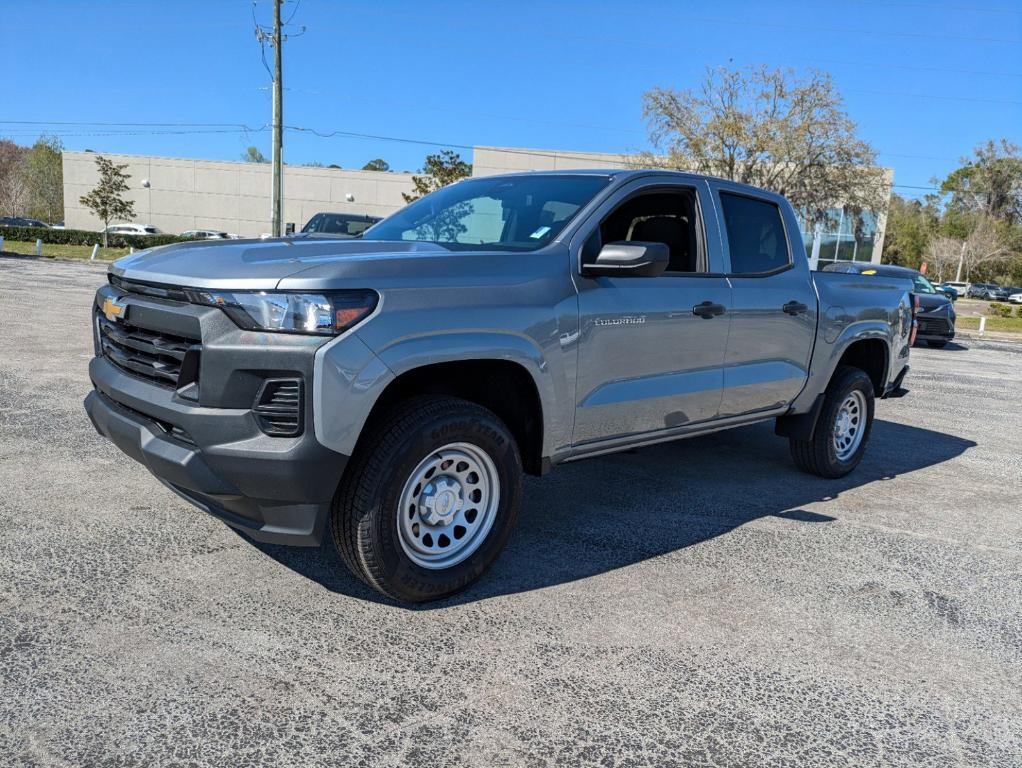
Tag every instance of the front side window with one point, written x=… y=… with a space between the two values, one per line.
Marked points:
x=516 y=213
x=659 y=217
x=755 y=235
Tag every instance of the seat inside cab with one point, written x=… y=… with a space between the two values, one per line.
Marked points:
x=660 y=217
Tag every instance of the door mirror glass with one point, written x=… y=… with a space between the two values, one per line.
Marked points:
x=629 y=259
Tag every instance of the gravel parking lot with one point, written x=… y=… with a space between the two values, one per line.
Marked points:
x=700 y=603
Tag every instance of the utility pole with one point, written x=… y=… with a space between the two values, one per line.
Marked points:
x=277 y=192
x=961 y=262
x=276 y=39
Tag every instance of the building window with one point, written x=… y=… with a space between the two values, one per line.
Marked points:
x=837 y=238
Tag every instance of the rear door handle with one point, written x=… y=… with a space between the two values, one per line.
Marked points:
x=708 y=309
x=795 y=308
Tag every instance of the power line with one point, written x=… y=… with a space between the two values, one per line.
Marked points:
x=201 y=128
x=930 y=7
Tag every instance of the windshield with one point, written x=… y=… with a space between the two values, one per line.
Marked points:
x=922 y=285
x=518 y=213
x=339 y=224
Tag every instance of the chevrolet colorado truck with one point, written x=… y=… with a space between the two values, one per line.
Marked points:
x=384 y=395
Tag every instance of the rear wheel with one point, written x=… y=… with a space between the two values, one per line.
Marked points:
x=842 y=429
x=430 y=500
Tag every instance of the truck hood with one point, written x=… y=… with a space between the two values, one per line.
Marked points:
x=260 y=264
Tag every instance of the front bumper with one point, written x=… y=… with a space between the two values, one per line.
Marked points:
x=938 y=328
x=205 y=442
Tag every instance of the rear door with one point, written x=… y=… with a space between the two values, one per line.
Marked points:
x=651 y=350
x=774 y=303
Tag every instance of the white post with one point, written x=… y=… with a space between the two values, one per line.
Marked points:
x=982 y=324
x=814 y=258
x=38 y=247
x=1 y=244
x=95 y=250
x=131 y=249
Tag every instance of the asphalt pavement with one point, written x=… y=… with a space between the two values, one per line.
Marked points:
x=695 y=604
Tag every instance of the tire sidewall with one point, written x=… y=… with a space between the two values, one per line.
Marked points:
x=402 y=575
x=842 y=387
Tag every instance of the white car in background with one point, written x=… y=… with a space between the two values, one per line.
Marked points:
x=1016 y=298
x=206 y=234
x=132 y=229
x=960 y=288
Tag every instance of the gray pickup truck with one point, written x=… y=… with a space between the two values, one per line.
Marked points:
x=387 y=393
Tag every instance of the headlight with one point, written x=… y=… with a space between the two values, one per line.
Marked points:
x=316 y=313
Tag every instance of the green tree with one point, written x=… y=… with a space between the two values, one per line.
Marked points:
x=379 y=164
x=769 y=128
x=438 y=171
x=988 y=183
x=44 y=176
x=911 y=226
x=253 y=155
x=105 y=199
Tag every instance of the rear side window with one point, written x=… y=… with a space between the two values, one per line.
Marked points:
x=755 y=235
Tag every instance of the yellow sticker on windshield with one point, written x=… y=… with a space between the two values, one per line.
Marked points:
x=868 y=272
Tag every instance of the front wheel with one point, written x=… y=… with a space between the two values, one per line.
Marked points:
x=430 y=499
x=843 y=428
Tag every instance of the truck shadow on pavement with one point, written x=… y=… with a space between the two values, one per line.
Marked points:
x=606 y=513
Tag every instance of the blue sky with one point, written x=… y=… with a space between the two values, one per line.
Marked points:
x=925 y=81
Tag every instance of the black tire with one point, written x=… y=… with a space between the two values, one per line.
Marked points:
x=818 y=456
x=937 y=344
x=364 y=519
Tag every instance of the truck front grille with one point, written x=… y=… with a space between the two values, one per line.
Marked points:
x=152 y=355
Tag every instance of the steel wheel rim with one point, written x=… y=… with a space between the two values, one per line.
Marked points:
x=448 y=505
x=849 y=425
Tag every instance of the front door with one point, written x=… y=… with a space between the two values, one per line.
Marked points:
x=651 y=350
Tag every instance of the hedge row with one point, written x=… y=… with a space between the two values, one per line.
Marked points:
x=82 y=237
x=1004 y=310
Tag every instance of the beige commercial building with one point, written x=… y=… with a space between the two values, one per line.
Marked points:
x=176 y=194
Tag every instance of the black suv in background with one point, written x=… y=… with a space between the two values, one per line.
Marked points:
x=936 y=311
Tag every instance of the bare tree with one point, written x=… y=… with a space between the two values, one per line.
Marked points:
x=14 y=189
x=768 y=128
x=943 y=254
x=984 y=245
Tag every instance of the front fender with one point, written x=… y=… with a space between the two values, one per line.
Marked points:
x=414 y=352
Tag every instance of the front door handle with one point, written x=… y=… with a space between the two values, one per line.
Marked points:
x=708 y=309
x=795 y=308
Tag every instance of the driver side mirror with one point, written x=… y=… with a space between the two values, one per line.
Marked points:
x=629 y=259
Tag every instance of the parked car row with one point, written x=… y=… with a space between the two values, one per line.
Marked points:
x=21 y=221
x=985 y=291
x=991 y=292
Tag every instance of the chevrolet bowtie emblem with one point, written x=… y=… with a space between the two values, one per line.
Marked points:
x=113 y=310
